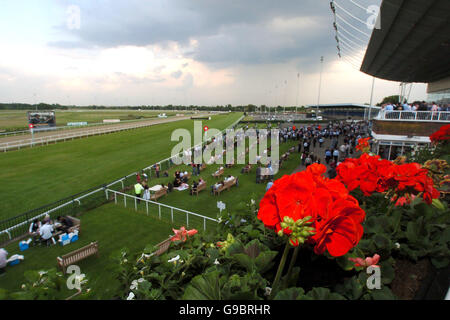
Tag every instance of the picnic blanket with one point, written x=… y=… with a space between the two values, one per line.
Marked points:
x=183 y=187
x=155 y=188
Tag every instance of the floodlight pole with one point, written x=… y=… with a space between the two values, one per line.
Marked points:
x=320 y=85
x=371 y=98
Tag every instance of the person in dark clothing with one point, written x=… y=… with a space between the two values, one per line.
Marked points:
x=194 y=188
x=66 y=224
x=332 y=173
x=258 y=174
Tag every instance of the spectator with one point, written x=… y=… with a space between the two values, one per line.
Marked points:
x=146 y=195
x=327 y=156
x=138 y=188
x=46 y=232
x=332 y=173
x=138 y=178
x=336 y=155
x=194 y=188
x=66 y=224
x=34 y=227
x=269 y=184
x=258 y=174
x=3 y=260
x=308 y=161
x=157 y=169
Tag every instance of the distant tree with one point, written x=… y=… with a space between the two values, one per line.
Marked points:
x=390 y=99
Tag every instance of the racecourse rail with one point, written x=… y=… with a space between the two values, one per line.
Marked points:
x=147 y=202
x=428 y=116
x=20 y=229
x=6 y=146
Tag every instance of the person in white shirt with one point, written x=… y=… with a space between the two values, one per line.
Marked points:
x=336 y=155
x=46 y=231
x=3 y=260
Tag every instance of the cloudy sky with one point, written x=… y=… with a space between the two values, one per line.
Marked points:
x=205 y=52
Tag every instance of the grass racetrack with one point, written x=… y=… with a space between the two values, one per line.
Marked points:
x=33 y=177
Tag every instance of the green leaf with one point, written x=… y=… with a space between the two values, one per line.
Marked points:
x=245 y=261
x=438 y=204
x=204 y=287
x=440 y=262
x=324 y=294
x=292 y=294
x=264 y=261
x=382 y=294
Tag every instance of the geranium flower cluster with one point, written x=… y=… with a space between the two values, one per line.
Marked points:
x=310 y=208
x=443 y=134
x=402 y=181
x=363 y=145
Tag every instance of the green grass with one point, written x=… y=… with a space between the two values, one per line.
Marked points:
x=11 y=119
x=33 y=177
x=236 y=197
x=113 y=227
x=116 y=227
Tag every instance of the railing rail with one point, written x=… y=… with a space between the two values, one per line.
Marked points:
x=428 y=116
x=160 y=205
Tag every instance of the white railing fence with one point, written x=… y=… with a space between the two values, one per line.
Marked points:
x=160 y=210
x=432 y=116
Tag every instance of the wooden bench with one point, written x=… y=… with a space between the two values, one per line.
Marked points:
x=226 y=186
x=158 y=194
x=77 y=255
x=163 y=247
x=229 y=165
x=217 y=174
x=199 y=188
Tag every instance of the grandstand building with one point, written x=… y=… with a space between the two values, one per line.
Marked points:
x=412 y=46
x=345 y=111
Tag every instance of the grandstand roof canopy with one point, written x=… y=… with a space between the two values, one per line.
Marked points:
x=341 y=105
x=413 y=44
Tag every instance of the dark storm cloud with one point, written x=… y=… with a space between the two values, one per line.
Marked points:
x=228 y=32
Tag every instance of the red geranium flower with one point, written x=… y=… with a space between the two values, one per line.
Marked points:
x=443 y=134
x=335 y=215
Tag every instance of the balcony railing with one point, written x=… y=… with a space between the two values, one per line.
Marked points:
x=431 y=116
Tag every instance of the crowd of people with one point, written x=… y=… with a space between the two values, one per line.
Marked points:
x=417 y=106
x=44 y=231
x=338 y=138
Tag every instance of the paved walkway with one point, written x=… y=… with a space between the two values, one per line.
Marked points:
x=320 y=152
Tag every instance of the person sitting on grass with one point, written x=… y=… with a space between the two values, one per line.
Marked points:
x=66 y=224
